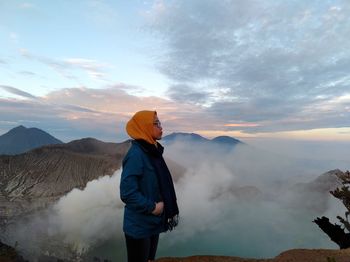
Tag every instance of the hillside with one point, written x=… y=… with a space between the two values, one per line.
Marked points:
x=33 y=180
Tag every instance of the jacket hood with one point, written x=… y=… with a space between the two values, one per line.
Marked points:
x=140 y=126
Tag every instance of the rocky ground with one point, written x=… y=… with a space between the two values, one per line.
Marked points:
x=295 y=255
x=8 y=254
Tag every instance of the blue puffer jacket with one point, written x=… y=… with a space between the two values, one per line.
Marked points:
x=139 y=190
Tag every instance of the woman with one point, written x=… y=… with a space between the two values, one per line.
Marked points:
x=146 y=188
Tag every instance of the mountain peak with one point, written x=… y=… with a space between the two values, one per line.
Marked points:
x=181 y=136
x=226 y=140
x=21 y=139
x=18 y=128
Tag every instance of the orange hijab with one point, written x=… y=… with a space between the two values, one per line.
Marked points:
x=140 y=126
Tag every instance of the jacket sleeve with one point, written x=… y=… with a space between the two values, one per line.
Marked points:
x=130 y=192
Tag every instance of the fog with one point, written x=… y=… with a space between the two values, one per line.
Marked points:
x=330 y=154
x=241 y=202
x=244 y=202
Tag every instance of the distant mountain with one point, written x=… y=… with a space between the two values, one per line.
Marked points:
x=21 y=139
x=221 y=141
x=226 y=140
x=184 y=137
x=93 y=146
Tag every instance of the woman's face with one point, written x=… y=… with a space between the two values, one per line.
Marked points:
x=157 y=129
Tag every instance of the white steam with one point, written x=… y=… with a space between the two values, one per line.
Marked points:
x=244 y=202
x=199 y=197
x=90 y=216
x=79 y=222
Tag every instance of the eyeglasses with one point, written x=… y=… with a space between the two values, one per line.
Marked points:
x=157 y=124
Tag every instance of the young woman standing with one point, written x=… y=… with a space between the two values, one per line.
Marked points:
x=146 y=188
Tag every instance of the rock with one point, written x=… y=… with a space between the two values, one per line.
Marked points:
x=294 y=255
x=9 y=254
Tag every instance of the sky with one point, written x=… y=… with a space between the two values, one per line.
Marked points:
x=244 y=68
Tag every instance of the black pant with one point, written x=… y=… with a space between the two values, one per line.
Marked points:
x=141 y=249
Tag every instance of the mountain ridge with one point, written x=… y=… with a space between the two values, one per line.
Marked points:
x=21 y=139
x=196 y=138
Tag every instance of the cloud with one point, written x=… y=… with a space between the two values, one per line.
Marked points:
x=27 y=73
x=73 y=113
x=17 y=91
x=277 y=66
x=241 y=124
x=71 y=67
x=26 y=5
x=14 y=37
x=274 y=60
x=184 y=93
x=102 y=13
x=94 y=68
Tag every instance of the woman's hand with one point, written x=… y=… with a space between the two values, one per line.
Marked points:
x=158 y=210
